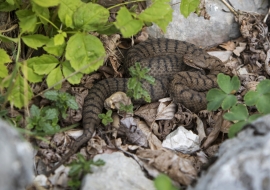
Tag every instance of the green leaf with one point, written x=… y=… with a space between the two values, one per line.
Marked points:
x=262 y=103
x=83 y=52
x=226 y=84
x=20 y=94
x=46 y=3
x=59 y=39
x=188 y=6
x=90 y=16
x=43 y=64
x=3 y=71
x=160 y=12
x=254 y=117
x=8 y=39
x=56 y=50
x=51 y=95
x=251 y=98
x=9 y=5
x=228 y=102
x=30 y=75
x=126 y=23
x=72 y=104
x=66 y=11
x=237 y=113
x=68 y=70
x=235 y=128
x=163 y=182
x=215 y=98
x=75 y=169
x=263 y=87
x=41 y=12
x=34 y=111
x=108 y=29
x=54 y=77
x=35 y=41
x=51 y=114
x=4 y=57
x=28 y=20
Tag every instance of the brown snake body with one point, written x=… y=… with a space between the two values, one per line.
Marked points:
x=171 y=63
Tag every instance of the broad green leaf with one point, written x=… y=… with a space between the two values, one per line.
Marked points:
x=228 y=102
x=254 y=117
x=30 y=75
x=4 y=57
x=28 y=20
x=237 y=113
x=251 y=98
x=3 y=71
x=226 y=84
x=8 y=39
x=263 y=103
x=59 y=39
x=41 y=12
x=90 y=16
x=163 y=182
x=44 y=64
x=71 y=103
x=51 y=95
x=263 y=87
x=85 y=52
x=9 y=5
x=188 y=6
x=126 y=23
x=56 y=50
x=36 y=40
x=68 y=70
x=160 y=12
x=46 y=3
x=54 y=77
x=235 y=128
x=20 y=94
x=215 y=98
x=108 y=29
x=51 y=114
x=66 y=11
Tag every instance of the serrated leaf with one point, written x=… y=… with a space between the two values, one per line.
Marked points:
x=235 y=128
x=41 y=12
x=28 y=20
x=30 y=75
x=188 y=6
x=54 y=77
x=56 y=50
x=3 y=71
x=132 y=82
x=4 y=57
x=90 y=16
x=214 y=98
x=20 y=94
x=51 y=114
x=228 y=102
x=126 y=23
x=66 y=11
x=51 y=95
x=85 y=52
x=34 y=111
x=71 y=103
x=46 y=3
x=68 y=70
x=44 y=64
x=237 y=113
x=226 y=84
x=36 y=40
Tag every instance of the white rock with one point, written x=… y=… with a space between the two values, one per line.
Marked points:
x=182 y=140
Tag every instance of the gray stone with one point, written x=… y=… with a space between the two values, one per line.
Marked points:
x=119 y=172
x=243 y=162
x=220 y=28
x=16 y=159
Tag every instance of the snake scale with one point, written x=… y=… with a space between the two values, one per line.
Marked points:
x=172 y=64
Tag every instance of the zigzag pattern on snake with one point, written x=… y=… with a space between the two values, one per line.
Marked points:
x=173 y=64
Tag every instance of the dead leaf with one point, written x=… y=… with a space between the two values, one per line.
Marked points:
x=200 y=127
x=239 y=49
x=230 y=45
x=165 y=111
x=148 y=112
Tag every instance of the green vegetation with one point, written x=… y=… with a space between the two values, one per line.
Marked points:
x=79 y=169
x=106 y=118
x=163 y=182
x=238 y=113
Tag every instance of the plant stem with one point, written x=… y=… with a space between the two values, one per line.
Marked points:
x=121 y=4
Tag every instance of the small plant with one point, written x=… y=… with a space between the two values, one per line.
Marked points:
x=61 y=101
x=46 y=119
x=238 y=113
x=126 y=108
x=135 y=88
x=163 y=182
x=43 y=120
x=106 y=118
x=79 y=169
